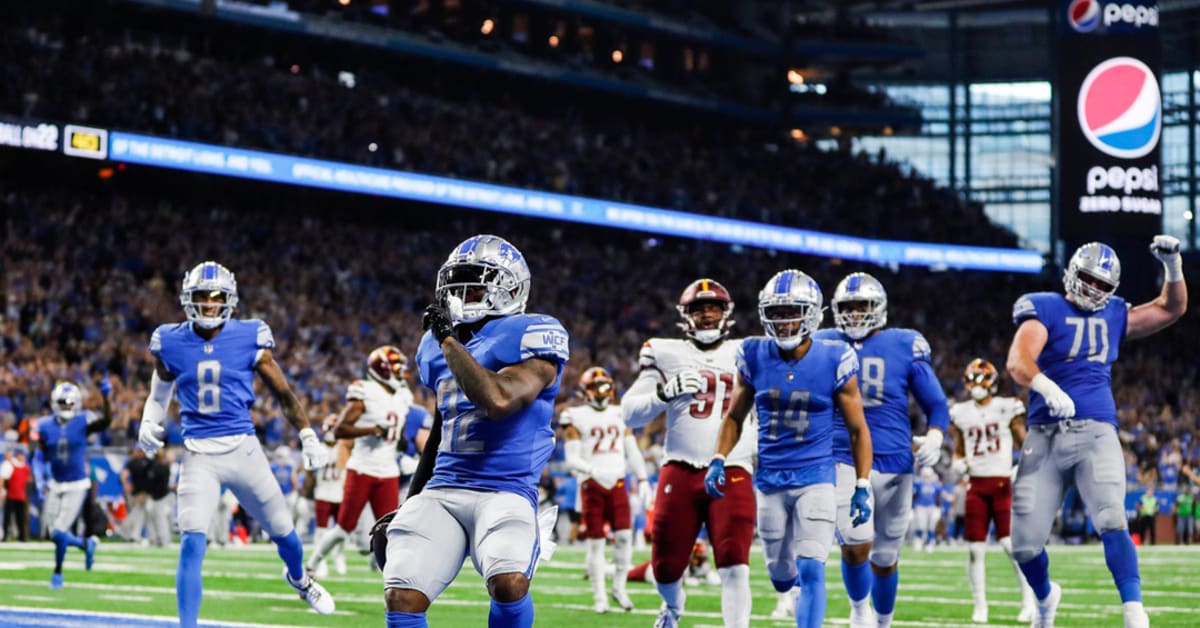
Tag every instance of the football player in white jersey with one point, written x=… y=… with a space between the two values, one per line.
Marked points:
x=984 y=430
x=692 y=381
x=374 y=417
x=328 y=484
x=600 y=450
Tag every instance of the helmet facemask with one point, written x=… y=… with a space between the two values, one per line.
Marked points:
x=702 y=335
x=209 y=295
x=484 y=276
x=790 y=324
x=66 y=400
x=1092 y=276
x=859 y=317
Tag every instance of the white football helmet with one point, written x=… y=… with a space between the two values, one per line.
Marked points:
x=859 y=288
x=489 y=265
x=208 y=278
x=1092 y=276
x=66 y=400
x=789 y=307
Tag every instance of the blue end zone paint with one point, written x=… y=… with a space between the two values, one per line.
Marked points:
x=18 y=617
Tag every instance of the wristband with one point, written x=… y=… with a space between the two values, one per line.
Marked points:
x=720 y=457
x=1173 y=270
x=862 y=483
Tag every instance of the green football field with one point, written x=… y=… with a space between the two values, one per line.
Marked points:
x=134 y=586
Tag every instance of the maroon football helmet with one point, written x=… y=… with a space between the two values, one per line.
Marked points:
x=702 y=291
x=387 y=365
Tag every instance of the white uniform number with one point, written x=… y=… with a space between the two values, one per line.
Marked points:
x=873 y=373
x=208 y=381
x=456 y=426
x=1097 y=337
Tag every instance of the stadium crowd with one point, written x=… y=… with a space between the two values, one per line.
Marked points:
x=277 y=94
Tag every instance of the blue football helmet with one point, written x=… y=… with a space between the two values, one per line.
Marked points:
x=66 y=400
x=1092 y=276
x=859 y=288
x=487 y=275
x=789 y=307
x=211 y=279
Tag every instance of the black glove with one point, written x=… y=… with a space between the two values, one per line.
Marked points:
x=437 y=321
x=379 y=537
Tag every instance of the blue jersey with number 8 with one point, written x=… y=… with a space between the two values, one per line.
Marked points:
x=1080 y=349
x=487 y=454
x=214 y=379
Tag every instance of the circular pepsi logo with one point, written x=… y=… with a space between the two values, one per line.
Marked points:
x=1084 y=15
x=1120 y=108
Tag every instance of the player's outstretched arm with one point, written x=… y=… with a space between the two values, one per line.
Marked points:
x=347 y=424
x=428 y=457
x=310 y=446
x=106 y=417
x=1170 y=305
x=849 y=404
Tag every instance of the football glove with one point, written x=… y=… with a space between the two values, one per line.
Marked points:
x=437 y=322
x=959 y=466
x=1059 y=403
x=688 y=382
x=379 y=537
x=150 y=437
x=860 y=504
x=311 y=449
x=1165 y=248
x=929 y=447
x=105 y=385
x=645 y=495
x=715 y=478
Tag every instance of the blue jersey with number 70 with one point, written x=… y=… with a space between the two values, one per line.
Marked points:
x=1081 y=347
x=214 y=379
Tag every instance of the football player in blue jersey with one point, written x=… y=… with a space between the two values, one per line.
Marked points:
x=209 y=362
x=496 y=372
x=795 y=382
x=63 y=438
x=893 y=363
x=1063 y=350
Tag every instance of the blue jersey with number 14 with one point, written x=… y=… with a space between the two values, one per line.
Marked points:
x=795 y=403
x=214 y=379
x=495 y=454
x=1080 y=349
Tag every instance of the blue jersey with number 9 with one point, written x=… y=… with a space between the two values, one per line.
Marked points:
x=214 y=379
x=1080 y=349
x=487 y=454
x=795 y=403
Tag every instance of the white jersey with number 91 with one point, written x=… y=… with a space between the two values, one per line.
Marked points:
x=374 y=455
x=987 y=434
x=694 y=421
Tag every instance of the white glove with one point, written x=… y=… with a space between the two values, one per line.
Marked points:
x=929 y=447
x=959 y=466
x=687 y=382
x=150 y=437
x=311 y=450
x=645 y=495
x=1059 y=402
x=1165 y=248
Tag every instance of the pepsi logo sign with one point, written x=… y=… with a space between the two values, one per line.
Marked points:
x=1084 y=15
x=1120 y=108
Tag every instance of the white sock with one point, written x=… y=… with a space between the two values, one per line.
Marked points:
x=884 y=620
x=1133 y=606
x=335 y=536
x=976 y=555
x=735 y=595
x=1027 y=597
x=622 y=557
x=595 y=567
x=672 y=594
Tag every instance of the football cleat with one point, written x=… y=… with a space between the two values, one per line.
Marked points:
x=622 y=600
x=1028 y=611
x=89 y=550
x=980 y=614
x=667 y=618
x=56 y=581
x=312 y=592
x=1047 y=608
x=1135 y=615
x=862 y=615
x=785 y=606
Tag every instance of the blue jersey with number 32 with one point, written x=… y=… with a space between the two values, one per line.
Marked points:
x=893 y=362
x=495 y=454
x=214 y=379
x=795 y=401
x=1080 y=349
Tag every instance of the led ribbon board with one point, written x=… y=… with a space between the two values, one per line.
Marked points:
x=302 y=171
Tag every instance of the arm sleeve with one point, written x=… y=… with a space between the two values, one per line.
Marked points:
x=160 y=397
x=633 y=458
x=641 y=403
x=928 y=391
x=573 y=450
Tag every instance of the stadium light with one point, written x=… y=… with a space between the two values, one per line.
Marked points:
x=487 y=27
x=554 y=41
x=617 y=56
x=795 y=77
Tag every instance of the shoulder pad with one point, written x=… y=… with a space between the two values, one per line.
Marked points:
x=357 y=391
x=1032 y=305
x=920 y=347
x=565 y=418
x=847 y=364
x=646 y=358
x=263 y=339
x=528 y=336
